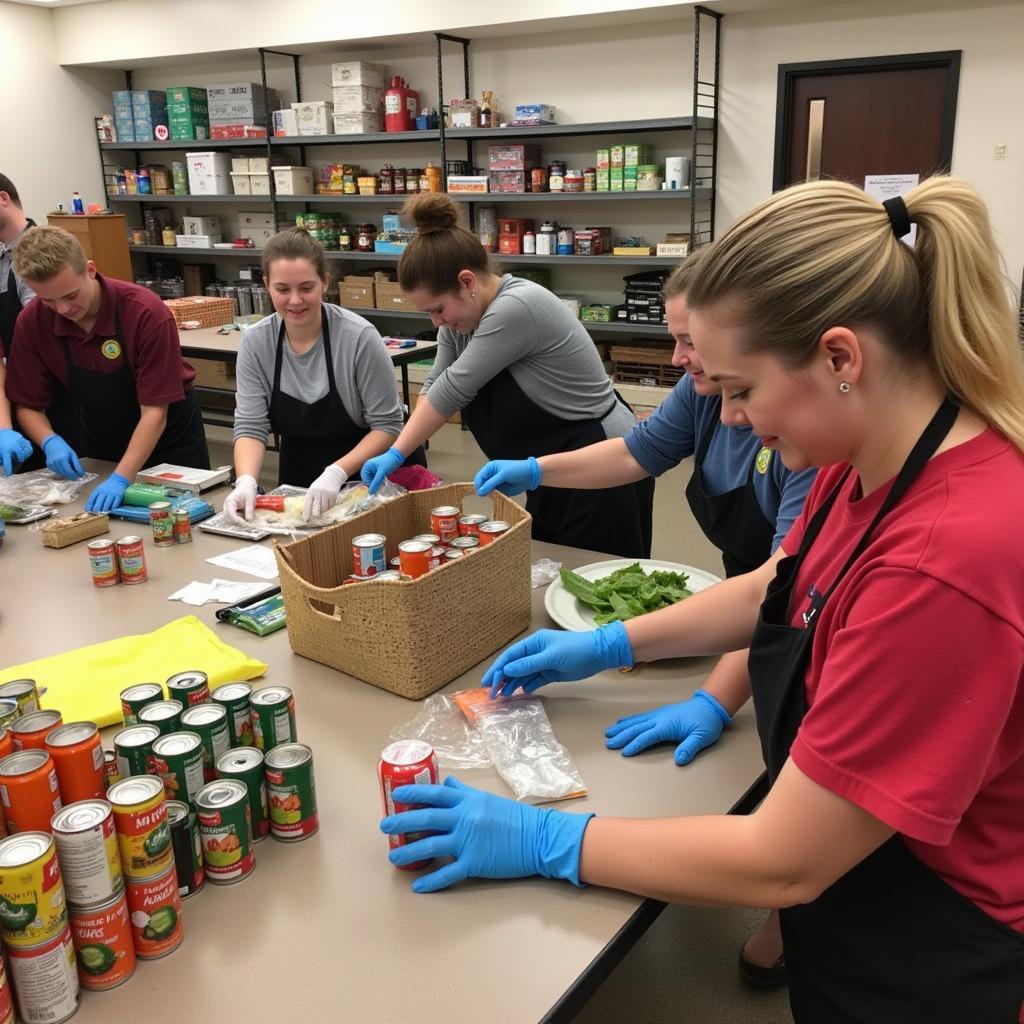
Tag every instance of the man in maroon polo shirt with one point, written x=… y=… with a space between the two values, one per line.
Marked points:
x=114 y=347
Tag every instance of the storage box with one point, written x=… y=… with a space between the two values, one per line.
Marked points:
x=61 y=533
x=629 y=176
x=679 y=249
x=617 y=157
x=258 y=165
x=589 y=242
x=237 y=131
x=239 y=165
x=650 y=367
x=513 y=158
x=214 y=373
x=124 y=131
x=255 y=219
x=361 y=280
x=197 y=276
x=198 y=241
x=600 y=313
x=200 y=225
x=389 y=295
x=150 y=103
x=534 y=114
x=358 y=72
x=388 y=247
x=354 y=296
x=615 y=181
x=240 y=184
x=424 y=645
x=353 y=99
x=467 y=183
x=184 y=129
x=236 y=90
x=209 y=310
x=315 y=118
x=358 y=124
x=293 y=181
x=637 y=153
x=508 y=181
x=510 y=234
x=191 y=95
x=258 y=236
x=209 y=173
x=237 y=111
x=259 y=184
x=285 y=122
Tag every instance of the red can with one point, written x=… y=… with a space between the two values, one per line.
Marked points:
x=469 y=526
x=111 y=769
x=30 y=731
x=154 y=908
x=182 y=526
x=415 y=556
x=444 y=521
x=6 y=747
x=29 y=791
x=368 y=555
x=131 y=559
x=162 y=524
x=491 y=530
x=103 y=562
x=103 y=942
x=78 y=757
x=6 y=1000
x=401 y=764
x=436 y=555
x=431 y=538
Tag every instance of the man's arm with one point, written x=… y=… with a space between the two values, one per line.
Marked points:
x=152 y=420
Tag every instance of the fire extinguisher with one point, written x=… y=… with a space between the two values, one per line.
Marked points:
x=401 y=104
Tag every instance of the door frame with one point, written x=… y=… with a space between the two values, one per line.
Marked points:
x=789 y=73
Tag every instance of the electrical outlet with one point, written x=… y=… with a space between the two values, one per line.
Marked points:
x=1000 y=151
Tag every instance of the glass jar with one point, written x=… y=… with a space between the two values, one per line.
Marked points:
x=556 y=176
x=590 y=179
x=400 y=174
x=573 y=181
x=386 y=180
x=344 y=238
x=539 y=179
x=433 y=176
x=366 y=235
x=412 y=180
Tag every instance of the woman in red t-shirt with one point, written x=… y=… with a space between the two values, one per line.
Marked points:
x=886 y=636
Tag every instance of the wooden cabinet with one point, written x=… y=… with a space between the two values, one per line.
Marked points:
x=103 y=238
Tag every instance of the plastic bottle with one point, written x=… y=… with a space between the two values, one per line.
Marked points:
x=76 y=204
x=547 y=239
x=529 y=243
x=433 y=175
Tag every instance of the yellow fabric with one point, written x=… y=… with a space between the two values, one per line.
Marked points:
x=85 y=684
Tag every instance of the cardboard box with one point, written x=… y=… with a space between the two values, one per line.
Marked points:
x=384 y=277
x=615 y=182
x=259 y=165
x=604 y=182
x=186 y=94
x=255 y=219
x=629 y=176
x=258 y=236
x=637 y=153
x=239 y=165
x=241 y=184
x=679 y=249
x=358 y=72
x=358 y=124
x=197 y=241
x=237 y=111
x=360 y=280
x=617 y=157
x=513 y=158
x=534 y=113
x=353 y=99
x=209 y=173
x=213 y=373
x=197 y=276
x=293 y=181
x=259 y=184
x=235 y=90
x=510 y=234
x=467 y=183
x=200 y=225
x=285 y=122
x=508 y=181
x=391 y=296
x=184 y=130
x=353 y=296
x=315 y=118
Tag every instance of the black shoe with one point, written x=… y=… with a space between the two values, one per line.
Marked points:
x=764 y=977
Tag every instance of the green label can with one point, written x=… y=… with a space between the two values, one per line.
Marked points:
x=234 y=698
x=164 y=714
x=134 y=749
x=292 y=792
x=273 y=717
x=190 y=688
x=246 y=765
x=188 y=854
x=135 y=698
x=178 y=760
x=225 y=831
x=210 y=721
x=24 y=691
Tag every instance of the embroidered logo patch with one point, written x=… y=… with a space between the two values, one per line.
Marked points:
x=763 y=460
x=111 y=348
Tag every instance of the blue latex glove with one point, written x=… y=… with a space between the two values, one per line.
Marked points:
x=697 y=722
x=376 y=469
x=61 y=458
x=14 y=448
x=489 y=836
x=555 y=656
x=510 y=476
x=108 y=495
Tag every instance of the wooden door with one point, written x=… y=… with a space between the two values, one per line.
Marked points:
x=880 y=115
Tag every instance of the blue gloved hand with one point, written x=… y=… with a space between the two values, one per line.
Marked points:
x=697 y=722
x=510 y=476
x=376 y=469
x=61 y=458
x=108 y=495
x=14 y=448
x=489 y=836
x=556 y=656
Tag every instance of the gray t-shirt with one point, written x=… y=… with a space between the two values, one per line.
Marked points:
x=531 y=333
x=25 y=293
x=362 y=372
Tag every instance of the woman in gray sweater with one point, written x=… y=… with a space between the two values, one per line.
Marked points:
x=316 y=375
x=525 y=375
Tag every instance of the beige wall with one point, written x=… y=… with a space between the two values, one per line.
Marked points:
x=48 y=146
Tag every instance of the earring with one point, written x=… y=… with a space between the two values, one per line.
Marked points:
x=472 y=295
x=844 y=387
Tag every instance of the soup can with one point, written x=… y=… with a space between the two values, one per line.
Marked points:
x=235 y=699
x=182 y=526
x=161 y=523
x=368 y=554
x=135 y=698
x=444 y=521
x=89 y=857
x=165 y=715
x=188 y=854
x=190 y=688
x=210 y=721
x=273 y=717
x=30 y=731
x=225 y=831
x=24 y=691
x=140 y=818
x=466 y=543
x=491 y=530
x=33 y=910
x=131 y=560
x=103 y=943
x=246 y=765
x=405 y=763
x=29 y=790
x=154 y=910
x=292 y=792
x=134 y=749
x=103 y=563
x=178 y=760
x=77 y=754
x=6 y=997
x=45 y=980
x=469 y=526
x=415 y=556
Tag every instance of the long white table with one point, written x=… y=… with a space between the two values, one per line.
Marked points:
x=326 y=930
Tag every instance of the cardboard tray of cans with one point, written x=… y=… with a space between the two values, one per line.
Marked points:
x=409 y=637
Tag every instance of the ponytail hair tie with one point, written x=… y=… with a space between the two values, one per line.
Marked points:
x=899 y=217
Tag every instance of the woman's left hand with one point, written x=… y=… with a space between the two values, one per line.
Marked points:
x=323 y=492
x=488 y=836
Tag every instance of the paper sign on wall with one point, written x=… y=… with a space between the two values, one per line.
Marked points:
x=885 y=186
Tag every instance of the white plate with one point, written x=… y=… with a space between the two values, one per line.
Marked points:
x=572 y=614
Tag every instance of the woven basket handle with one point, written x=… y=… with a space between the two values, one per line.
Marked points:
x=332 y=617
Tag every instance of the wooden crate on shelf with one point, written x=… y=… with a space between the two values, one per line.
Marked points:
x=650 y=366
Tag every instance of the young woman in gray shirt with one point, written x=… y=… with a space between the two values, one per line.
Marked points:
x=316 y=375
x=525 y=375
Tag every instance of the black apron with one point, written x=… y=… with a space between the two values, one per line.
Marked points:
x=508 y=424
x=63 y=412
x=110 y=414
x=890 y=942
x=312 y=435
x=733 y=520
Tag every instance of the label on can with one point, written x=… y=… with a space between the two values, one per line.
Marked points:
x=292 y=792
x=273 y=717
x=6 y=998
x=131 y=559
x=182 y=526
x=210 y=722
x=89 y=857
x=103 y=563
x=368 y=554
x=178 y=760
x=162 y=523
x=103 y=942
x=234 y=698
x=143 y=833
x=46 y=981
x=134 y=749
x=32 y=905
x=188 y=854
x=154 y=910
x=407 y=762
x=225 y=830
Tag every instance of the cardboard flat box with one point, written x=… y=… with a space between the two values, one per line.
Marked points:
x=360 y=280
x=285 y=122
x=197 y=241
x=259 y=236
x=293 y=181
x=209 y=173
x=356 y=297
x=259 y=165
x=200 y=225
x=358 y=124
x=358 y=72
x=213 y=373
x=314 y=118
x=391 y=296
x=255 y=219
x=353 y=99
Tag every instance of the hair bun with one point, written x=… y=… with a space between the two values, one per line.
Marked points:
x=431 y=212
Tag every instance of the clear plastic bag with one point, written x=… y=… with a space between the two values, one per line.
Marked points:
x=41 y=487
x=543 y=572
x=459 y=747
x=353 y=499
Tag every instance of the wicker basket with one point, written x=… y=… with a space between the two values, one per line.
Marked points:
x=60 y=533
x=208 y=310
x=646 y=366
x=414 y=636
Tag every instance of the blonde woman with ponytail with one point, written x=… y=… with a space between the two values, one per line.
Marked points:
x=886 y=635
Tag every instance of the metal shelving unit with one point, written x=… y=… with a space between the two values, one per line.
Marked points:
x=656 y=124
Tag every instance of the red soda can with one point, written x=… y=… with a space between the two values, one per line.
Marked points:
x=470 y=525
x=444 y=521
x=405 y=763
x=415 y=557
x=103 y=562
x=131 y=558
